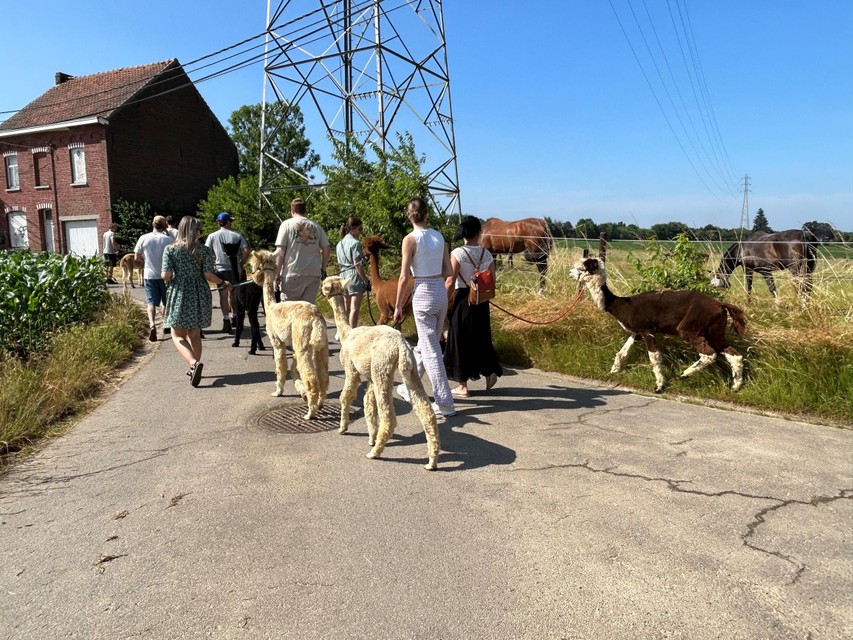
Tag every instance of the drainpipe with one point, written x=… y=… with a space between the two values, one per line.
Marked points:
x=58 y=236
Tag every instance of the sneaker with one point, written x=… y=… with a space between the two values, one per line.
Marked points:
x=195 y=378
x=167 y=331
x=152 y=334
x=337 y=337
x=446 y=410
x=226 y=325
x=403 y=392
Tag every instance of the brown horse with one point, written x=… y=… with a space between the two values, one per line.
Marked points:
x=531 y=236
x=764 y=253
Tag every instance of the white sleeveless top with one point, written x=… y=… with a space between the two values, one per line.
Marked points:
x=429 y=253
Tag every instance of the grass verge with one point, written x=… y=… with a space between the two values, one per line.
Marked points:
x=35 y=395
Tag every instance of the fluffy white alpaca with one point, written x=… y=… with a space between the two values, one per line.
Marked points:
x=300 y=325
x=376 y=354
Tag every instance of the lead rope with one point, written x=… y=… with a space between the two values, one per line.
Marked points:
x=574 y=301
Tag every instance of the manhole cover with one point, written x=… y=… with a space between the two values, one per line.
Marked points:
x=290 y=418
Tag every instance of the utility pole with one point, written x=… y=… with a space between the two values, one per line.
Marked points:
x=369 y=70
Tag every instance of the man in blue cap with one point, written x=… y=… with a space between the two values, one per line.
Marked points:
x=225 y=243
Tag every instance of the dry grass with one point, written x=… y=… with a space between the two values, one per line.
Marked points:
x=799 y=359
x=37 y=394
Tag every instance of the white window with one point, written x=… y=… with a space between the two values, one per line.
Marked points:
x=78 y=165
x=12 y=181
x=18 y=230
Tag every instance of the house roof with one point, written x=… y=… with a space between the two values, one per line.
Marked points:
x=96 y=95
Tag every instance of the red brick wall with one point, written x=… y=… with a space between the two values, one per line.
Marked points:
x=55 y=187
x=166 y=148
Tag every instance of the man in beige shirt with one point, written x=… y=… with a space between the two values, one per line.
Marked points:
x=303 y=255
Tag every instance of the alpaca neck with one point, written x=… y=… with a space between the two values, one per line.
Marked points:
x=340 y=313
x=374 y=269
x=269 y=293
x=601 y=294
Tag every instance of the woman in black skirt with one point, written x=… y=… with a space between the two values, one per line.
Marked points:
x=469 y=353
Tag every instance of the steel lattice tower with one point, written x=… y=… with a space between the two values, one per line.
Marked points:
x=744 y=214
x=367 y=68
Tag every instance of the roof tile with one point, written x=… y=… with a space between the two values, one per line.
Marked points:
x=99 y=94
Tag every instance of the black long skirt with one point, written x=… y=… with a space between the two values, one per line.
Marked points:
x=469 y=353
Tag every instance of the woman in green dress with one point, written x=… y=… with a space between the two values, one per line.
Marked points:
x=187 y=268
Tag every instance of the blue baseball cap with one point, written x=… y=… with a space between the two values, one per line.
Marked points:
x=224 y=217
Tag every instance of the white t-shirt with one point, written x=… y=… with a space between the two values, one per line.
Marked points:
x=302 y=241
x=109 y=242
x=151 y=246
x=468 y=257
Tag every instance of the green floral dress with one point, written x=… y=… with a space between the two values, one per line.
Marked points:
x=189 y=304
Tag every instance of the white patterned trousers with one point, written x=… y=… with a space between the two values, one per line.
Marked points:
x=429 y=307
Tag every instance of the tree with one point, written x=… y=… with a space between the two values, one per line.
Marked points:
x=258 y=218
x=134 y=220
x=586 y=228
x=284 y=132
x=376 y=191
x=760 y=223
x=669 y=230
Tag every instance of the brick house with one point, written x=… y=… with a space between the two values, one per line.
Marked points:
x=140 y=133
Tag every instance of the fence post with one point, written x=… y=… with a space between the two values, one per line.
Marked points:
x=602 y=246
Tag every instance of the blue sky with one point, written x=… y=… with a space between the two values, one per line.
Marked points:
x=553 y=114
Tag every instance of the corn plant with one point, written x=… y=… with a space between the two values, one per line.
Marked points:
x=42 y=293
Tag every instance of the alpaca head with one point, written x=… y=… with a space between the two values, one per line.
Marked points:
x=589 y=271
x=262 y=264
x=334 y=286
x=373 y=244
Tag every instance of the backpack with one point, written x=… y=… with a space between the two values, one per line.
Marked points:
x=482 y=286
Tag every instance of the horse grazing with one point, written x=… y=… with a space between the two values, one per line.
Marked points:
x=531 y=236
x=764 y=253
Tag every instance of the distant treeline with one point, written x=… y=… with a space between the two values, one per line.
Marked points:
x=587 y=228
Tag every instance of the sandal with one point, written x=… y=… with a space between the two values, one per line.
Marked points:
x=458 y=393
x=491 y=380
x=196 y=376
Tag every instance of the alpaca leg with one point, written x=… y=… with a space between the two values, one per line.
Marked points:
x=257 y=343
x=422 y=408
x=280 y=357
x=307 y=384
x=623 y=353
x=703 y=361
x=370 y=413
x=735 y=361
x=348 y=393
x=387 y=418
x=657 y=366
x=239 y=321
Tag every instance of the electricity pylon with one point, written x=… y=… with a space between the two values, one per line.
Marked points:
x=371 y=69
x=744 y=214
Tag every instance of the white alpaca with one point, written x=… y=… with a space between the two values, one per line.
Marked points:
x=300 y=325
x=377 y=353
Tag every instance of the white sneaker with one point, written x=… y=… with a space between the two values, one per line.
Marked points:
x=403 y=392
x=337 y=337
x=446 y=410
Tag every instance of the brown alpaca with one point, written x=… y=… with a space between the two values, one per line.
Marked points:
x=384 y=291
x=300 y=325
x=128 y=263
x=377 y=353
x=696 y=318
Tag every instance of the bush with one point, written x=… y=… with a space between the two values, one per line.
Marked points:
x=682 y=267
x=43 y=293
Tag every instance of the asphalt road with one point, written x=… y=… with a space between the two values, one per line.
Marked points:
x=561 y=509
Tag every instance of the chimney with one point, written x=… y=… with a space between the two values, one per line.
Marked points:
x=62 y=77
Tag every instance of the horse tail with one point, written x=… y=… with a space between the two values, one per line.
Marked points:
x=738 y=317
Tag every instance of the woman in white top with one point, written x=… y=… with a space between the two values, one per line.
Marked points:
x=425 y=259
x=469 y=353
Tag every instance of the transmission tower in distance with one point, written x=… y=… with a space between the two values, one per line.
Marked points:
x=370 y=69
x=744 y=214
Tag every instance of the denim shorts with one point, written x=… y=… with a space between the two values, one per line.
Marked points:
x=155 y=292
